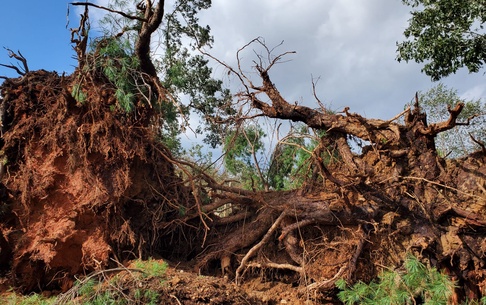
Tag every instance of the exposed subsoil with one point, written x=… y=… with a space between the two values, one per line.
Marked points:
x=82 y=183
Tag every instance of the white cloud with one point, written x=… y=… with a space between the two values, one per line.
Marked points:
x=350 y=44
x=478 y=91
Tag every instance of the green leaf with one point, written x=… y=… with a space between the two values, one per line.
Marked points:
x=446 y=35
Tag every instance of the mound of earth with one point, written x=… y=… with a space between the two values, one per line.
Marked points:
x=81 y=182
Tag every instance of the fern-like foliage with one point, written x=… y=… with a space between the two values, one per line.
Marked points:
x=416 y=284
x=119 y=65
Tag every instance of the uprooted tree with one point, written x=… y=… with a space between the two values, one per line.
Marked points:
x=87 y=181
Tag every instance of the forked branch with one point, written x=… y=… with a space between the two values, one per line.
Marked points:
x=437 y=128
x=79 y=36
x=20 y=70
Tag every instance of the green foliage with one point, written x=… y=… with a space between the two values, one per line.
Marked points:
x=151 y=267
x=416 y=282
x=87 y=288
x=115 y=58
x=105 y=298
x=196 y=154
x=283 y=163
x=149 y=297
x=455 y=142
x=78 y=94
x=244 y=149
x=170 y=128
x=34 y=299
x=92 y=292
x=188 y=74
x=446 y=35
x=287 y=167
x=290 y=161
x=185 y=75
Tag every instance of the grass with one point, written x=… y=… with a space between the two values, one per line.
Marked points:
x=34 y=299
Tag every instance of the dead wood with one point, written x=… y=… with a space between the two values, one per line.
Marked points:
x=18 y=56
x=397 y=189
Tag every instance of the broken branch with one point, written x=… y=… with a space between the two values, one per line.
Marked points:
x=437 y=128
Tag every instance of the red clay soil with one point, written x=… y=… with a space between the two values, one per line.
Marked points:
x=83 y=183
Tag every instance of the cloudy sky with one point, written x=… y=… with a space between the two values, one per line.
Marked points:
x=349 y=44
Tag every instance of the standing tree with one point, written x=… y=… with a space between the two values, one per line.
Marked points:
x=446 y=35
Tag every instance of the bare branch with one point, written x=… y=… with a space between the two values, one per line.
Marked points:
x=323 y=108
x=12 y=67
x=436 y=128
x=255 y=248
x=81 y=41
x=86 y=4
x=19 y=57
x=480 y=143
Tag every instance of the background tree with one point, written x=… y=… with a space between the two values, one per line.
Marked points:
x=288 y=165
x=244 y=152
x=292 y=159
x=289 y=158
x=459 y=141
x=446 y=35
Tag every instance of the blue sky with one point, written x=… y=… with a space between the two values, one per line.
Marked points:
x=349 y=44
x=38 y=30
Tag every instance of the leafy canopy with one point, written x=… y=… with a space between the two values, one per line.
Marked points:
x=184 y=74
x=446 y=35
x=286 y=168
x=244 y=151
